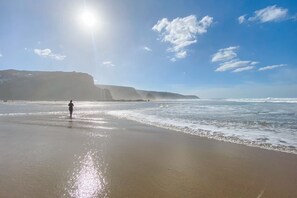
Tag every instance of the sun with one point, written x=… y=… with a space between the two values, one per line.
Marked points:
x=88 y=19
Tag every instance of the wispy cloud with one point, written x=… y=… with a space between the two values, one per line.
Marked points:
x=1 y=55
x=235 y=64
x=294 y=17
x=271 y=67
x=173 y=59
x=241 y=19
x=229 y=62
x=243 y=69
x=181 y=32
x=47 y=53
x=108 y=63
x=225 y=54
x=268 y=14
x=147 y=49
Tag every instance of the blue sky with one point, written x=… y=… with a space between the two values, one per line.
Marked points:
x=209 y=48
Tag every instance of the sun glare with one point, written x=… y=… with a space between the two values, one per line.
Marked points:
x=88 y=19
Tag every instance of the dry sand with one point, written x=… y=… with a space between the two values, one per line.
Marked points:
x=45 y=157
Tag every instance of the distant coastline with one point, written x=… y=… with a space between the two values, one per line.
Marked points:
x=57 y=86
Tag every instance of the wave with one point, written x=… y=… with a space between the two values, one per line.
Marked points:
x=272 y=100
x=227 y=133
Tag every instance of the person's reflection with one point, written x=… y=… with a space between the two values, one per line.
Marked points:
x=70 y=124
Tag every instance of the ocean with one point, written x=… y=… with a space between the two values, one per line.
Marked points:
x=269 y=123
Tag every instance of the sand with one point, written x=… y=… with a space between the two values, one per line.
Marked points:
x=110 y=157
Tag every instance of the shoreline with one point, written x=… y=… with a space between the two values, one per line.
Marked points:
x=206 y=134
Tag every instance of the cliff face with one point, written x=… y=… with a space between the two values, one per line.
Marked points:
x=28 y=85
x=130 y=93
x=122 y=93
x=156 y=95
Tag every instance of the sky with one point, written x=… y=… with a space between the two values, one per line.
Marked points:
x=214 y=49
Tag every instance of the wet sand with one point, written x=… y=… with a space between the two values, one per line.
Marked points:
x=42 y=156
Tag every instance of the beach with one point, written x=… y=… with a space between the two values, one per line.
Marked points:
x=46 y=156
x=148 y=99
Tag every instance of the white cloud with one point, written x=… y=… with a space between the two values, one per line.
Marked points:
x=44 y=52
x=241 y=19
x=47 y=53
x=271 y=67
x=181 y=54
x=147 y=49
x=182 y=32
x=108 y=63
x=234 y=64
x=1 y=55
x=270 y=14
x=243 y=69
x=161 y=24
x=225 y=54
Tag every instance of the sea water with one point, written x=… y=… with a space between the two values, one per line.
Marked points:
x=269 y=123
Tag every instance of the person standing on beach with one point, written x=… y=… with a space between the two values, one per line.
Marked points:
x=70 y=105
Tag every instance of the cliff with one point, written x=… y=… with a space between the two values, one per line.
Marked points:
x=122 y=93
x=34 y=85
x=130 y=93
x=156 y=95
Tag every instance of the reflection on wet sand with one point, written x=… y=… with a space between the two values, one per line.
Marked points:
x=69 y=124
x=88 y=179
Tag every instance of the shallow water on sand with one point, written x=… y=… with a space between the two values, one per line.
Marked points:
x=49 y=155
x=266 y=123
